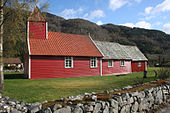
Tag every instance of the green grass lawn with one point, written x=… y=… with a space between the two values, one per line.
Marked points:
x=52 y=89
x=13 y=73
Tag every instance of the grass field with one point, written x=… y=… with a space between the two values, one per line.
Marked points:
x=6 y=73
x=52 y=89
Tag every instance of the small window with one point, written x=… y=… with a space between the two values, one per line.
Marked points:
x=93 y=62
x=139 y=64
x=122 y=63
x=68 y=62
x=110 y=63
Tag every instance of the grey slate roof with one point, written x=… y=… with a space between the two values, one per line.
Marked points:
x=116 y=51
x=134 y=53
x=112 y=50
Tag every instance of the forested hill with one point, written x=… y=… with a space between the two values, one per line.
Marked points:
x=153 y=43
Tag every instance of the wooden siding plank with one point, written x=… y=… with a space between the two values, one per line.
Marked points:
x=116 y=69
x=135 y=67
x=53 y=67
x=37 y=30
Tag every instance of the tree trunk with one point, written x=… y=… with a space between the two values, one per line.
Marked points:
x=1 y=47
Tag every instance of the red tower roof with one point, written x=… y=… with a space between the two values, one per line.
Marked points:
x=37 y=16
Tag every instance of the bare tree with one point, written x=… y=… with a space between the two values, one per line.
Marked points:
x=1 y=45
x=7 y=12
x=2 y=4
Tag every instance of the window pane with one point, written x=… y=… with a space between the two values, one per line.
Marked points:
x=68 y=62
x=110 y=63
x=93 y=62
x=139 y=64
x=122 y=63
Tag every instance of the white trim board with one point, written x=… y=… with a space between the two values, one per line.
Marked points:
x=95 y=45
x=28 y=42
x=101 y=67
x=46 y=30
x=29 y=70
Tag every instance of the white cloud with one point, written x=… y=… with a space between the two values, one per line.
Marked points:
x=162 y=7
x=79 y=13
x=116 y=4
x=140 y=24
x=148 y=10
x=138 y=1
x=71 y=13
x=99 y=22
x=143 y=24
x=96 y=14
x=166 y=28
x=128 y=25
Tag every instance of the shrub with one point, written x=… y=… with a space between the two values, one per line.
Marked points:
x=10 y=67
x=164 y=73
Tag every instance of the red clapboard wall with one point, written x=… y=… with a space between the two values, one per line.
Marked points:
x=136 y=68
x=37 y=30
x=116 y=69
x=53 y=67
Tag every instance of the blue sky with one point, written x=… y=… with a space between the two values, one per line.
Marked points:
x=149 y=14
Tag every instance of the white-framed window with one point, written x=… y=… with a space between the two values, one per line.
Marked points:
x=122 y=63
x=93 y=62
x=110 y=63
x=139 y=64
x=68 y=62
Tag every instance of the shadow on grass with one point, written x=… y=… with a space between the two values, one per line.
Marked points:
x=15 y=76
x=121 y=75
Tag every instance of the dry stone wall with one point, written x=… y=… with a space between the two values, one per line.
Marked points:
x=132 y=102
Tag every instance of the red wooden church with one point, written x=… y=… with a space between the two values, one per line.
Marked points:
x=58 y=55
x=61 y=55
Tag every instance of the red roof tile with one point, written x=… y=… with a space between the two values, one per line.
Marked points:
x=62 y=44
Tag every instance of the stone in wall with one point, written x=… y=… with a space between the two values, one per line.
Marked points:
x=132 y=102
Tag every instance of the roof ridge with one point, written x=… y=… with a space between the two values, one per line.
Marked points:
x=107 y=42
x=128 y=45
x=66 y=33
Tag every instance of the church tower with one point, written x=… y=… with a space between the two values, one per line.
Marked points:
x=37 y=26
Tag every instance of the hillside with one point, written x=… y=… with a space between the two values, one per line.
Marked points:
x=77 y=26
x=153 y=43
